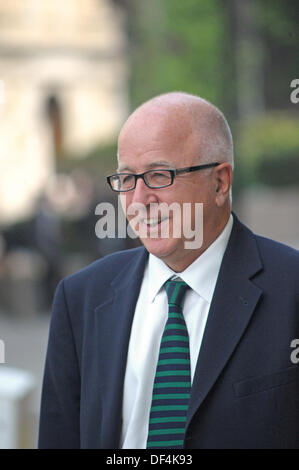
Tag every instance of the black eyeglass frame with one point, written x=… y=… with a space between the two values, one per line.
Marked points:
x=173 y=173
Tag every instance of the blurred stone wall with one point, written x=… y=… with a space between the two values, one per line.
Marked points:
x=271 y=212
x=68 y=53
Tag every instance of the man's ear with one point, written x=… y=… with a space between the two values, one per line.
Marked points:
x=223 y=182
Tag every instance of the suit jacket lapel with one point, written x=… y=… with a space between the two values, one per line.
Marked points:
x=234 y=301
x=113 y=324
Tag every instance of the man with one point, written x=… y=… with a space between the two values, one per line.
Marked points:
x=238 y=318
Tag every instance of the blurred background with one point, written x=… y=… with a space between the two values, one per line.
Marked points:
x=70 y=74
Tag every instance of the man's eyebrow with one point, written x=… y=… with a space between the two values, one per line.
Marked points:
x=156 y=164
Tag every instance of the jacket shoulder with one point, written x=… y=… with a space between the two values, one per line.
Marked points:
x=105 y=268
x=277 y=251
x=281 y=265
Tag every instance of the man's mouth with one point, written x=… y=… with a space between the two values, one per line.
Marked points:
x=153 y=222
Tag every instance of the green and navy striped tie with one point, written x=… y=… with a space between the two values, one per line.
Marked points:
x=172 y=384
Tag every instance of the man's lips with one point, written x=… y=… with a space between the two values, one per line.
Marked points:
x=147 y=226
x=152 y=221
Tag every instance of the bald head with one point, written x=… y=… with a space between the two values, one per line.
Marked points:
x=185 y=116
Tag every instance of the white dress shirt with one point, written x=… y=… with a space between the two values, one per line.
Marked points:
x=151 y=314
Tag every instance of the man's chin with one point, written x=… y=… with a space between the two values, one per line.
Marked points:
x=160 y=247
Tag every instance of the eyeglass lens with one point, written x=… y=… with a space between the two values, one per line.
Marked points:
x=153 y=178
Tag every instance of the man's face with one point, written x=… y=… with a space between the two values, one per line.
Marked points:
x=157 y=142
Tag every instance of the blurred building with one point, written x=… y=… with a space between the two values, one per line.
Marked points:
x=63 y=77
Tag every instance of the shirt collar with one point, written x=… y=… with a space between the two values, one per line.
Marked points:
x=201 y=275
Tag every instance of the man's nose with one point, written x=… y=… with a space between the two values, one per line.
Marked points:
x=142 y=193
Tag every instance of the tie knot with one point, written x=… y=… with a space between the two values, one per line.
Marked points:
x=176 y=291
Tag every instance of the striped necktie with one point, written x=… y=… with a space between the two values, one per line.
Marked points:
x=172 y=384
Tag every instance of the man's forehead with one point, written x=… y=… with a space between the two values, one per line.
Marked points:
x=123 y=166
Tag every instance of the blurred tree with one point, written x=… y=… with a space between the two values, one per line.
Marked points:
x=240 y=54
x=278 y=23
x=179 y=46
x=248 y=55
x=268 y=149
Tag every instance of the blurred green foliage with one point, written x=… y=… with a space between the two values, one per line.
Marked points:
x=194 y=46
x=179 y=46
x=268 y=148
x=197 y=46
x=279 y=20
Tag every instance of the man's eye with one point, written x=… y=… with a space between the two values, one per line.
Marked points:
x=127 y=178
x=127 y=181
x=160 y=175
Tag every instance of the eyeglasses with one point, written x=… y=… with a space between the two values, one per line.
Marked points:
x=154 y=179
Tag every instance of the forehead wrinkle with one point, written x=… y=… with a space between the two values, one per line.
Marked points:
x=155 y=164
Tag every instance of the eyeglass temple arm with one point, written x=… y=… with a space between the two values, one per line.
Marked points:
x=196 y=168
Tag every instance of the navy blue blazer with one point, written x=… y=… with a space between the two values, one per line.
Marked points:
x=245 y=392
